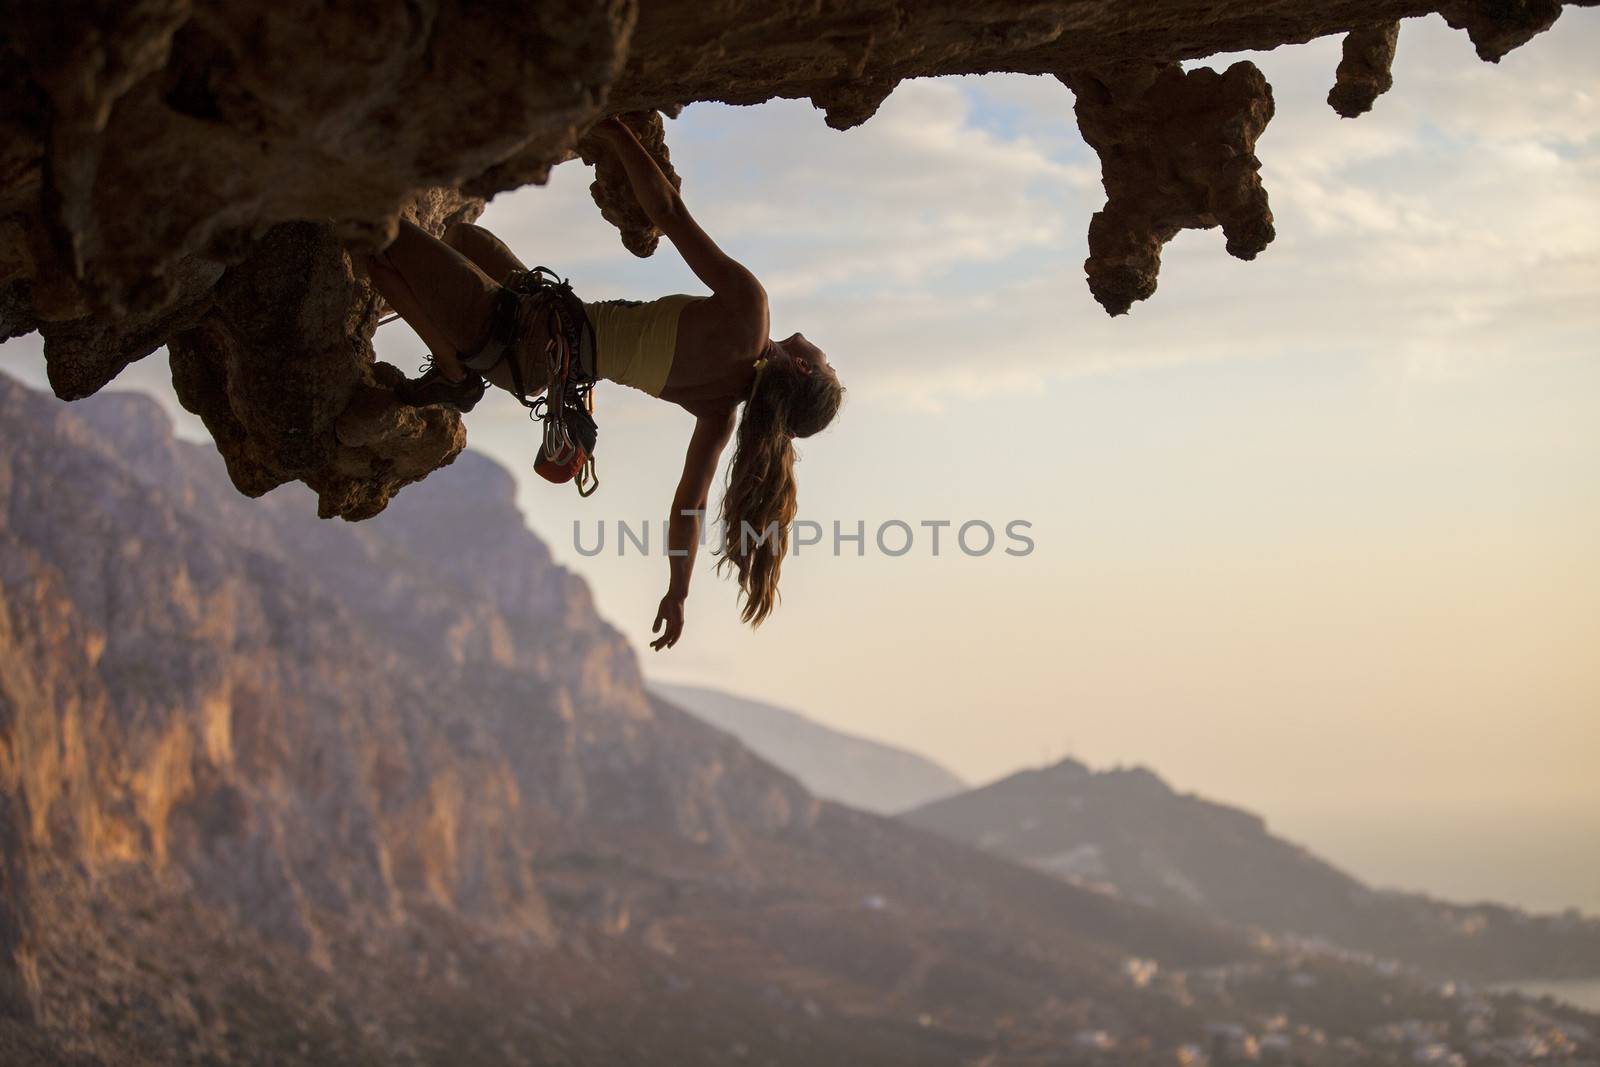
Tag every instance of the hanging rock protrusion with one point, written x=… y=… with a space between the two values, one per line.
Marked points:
x=1177 y=152
x=301 y=397
x=1364 y=71
x=611 y=191
x=152 y=152
x=1498 y=26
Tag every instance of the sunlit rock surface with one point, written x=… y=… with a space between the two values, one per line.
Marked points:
x=1363 y=73
x=275 y=790
x=1177 y=152
x=199 y=175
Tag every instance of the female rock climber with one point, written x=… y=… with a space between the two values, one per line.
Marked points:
x=705 y=354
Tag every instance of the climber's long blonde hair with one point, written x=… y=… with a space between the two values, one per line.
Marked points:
x=759 y=502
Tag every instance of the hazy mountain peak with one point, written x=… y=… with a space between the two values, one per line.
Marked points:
x=1126 y=829
x=832 y=764
x=1064 y=770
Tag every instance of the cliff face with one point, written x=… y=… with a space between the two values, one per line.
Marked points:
x=309 y=720
x=196 y=174
x=274 y=790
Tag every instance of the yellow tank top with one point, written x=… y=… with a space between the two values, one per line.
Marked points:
x=634 y=341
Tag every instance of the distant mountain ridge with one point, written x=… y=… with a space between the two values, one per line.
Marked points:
x=1128 y=832
x=834 y=765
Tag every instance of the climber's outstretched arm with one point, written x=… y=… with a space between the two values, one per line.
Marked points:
x=711 y=435
x=664 y=206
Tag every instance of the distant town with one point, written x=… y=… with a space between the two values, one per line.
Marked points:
x=1314 y=1006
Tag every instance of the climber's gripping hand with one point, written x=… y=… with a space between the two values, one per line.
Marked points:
x=670 y=615
x=612 y=133
x=606 y=131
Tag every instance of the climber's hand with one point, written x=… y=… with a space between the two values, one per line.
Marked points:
x=670 y=614
x=608 y=130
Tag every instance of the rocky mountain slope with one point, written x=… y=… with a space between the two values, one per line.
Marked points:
x=832 y=765
x=278 y=791
x=198 y=175
x=1127 y=831
x=274 y=790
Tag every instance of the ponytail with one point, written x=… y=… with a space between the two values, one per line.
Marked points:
x=759 y=502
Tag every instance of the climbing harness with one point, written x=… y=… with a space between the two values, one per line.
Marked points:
x=566 y=453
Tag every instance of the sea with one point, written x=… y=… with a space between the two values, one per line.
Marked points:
x=1579 y=992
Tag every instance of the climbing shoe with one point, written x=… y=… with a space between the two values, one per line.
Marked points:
x=434 y=388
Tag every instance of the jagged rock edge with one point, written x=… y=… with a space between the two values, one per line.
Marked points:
x=101 y=304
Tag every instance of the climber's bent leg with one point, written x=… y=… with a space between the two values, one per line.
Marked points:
x=398 y=295
x=491 y=254
x=445 y=287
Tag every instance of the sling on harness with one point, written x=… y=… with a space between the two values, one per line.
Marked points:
x=566 y=453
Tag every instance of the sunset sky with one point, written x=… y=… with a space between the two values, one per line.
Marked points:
x=1318 y=535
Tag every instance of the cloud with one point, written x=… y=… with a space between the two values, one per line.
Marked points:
x=916 y=192
x=913 y=195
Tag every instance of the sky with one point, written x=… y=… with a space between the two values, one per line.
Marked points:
x=1317 y=535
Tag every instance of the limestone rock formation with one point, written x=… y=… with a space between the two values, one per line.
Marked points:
x=325 y=414
x=1177 y=150
x=1363 y=73
x=207 y=686
x=610 y=188
x=1498 y=26
x=176 y=172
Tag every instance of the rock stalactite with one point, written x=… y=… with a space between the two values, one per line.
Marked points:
x=1498 y=26
x=610 y=189
x=173 y=172
x=1177 y=152
x=1363 y=73
x=326 y=414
